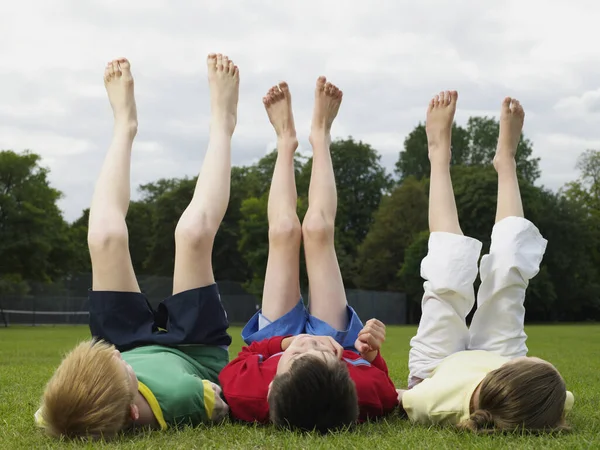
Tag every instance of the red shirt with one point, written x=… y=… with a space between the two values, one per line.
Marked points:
x=245 y=382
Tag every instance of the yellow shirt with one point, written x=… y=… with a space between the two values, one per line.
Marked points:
x=445 y=397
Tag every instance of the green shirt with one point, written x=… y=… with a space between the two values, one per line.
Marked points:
x=175 y=381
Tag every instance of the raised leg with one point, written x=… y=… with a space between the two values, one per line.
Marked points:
x=108 y=240
x=199 y=223
x=327 y=294
x=515 y=256
x=450 y=267
x=282 y=279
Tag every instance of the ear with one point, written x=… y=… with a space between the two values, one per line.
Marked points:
x=134 y=412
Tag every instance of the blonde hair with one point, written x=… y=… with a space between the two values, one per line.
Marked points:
x=89 y=394
x=526 y=395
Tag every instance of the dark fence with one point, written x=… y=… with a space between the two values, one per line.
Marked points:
x=66 y=302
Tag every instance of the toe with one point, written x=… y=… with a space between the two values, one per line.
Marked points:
x=116 y=68
x=436 y=101
x=231 y=68
x=124 y=64
x=284 y=88
x=107 y=74
x=211 y=60
x=431 y=104
x=111 y=69
x=225 y=64
x=506 y=103
x=447 y=98
x=321 y=81
x=220 y=62
x=236 y=72
x=453 y=97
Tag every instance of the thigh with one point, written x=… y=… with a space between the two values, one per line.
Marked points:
x=193 y=317
x=112 y=269
x=515 y=256
x=449 y=270
x=193 y=263
x=346 y=338
x=125 y=319
x=290 y=324
x=282 y=279
x=327 y=293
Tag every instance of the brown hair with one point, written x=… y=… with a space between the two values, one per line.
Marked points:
x=525 y=395
x=314 y=395
x=88 y=395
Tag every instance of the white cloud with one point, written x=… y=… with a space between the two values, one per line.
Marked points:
x=388 y=57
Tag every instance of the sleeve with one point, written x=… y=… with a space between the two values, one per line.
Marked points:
x=515 y=256
x=266 y=348
x=380 y=363
x=244 y=383
x=377 y=394
x=414 y=403
x=449 y=270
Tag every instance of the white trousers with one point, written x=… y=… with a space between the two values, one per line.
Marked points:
x=449 y=271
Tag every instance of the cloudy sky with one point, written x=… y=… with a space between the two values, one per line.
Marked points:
x=389 y=57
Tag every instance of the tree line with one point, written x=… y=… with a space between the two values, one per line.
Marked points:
x=381 y=225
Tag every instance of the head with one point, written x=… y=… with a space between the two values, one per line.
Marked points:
x=312 y=389
x=91 y=393
x=524 y=394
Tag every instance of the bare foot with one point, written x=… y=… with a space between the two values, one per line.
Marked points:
x=512 y=117
x=278 y=103
x=224 y=84
x=440 y=116
x=328 y=99
x=119 y=85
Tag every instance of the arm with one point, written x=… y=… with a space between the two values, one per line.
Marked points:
x=377 y=394
x=244 y=382
x=369 y=341
x=265 y=348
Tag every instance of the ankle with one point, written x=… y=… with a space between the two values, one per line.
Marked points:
x=128 y=128
x=319 y=136
x=505 y=163
x=287 y=142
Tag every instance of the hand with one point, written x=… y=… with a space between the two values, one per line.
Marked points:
x=370 y=339
x=400 y=394
x=337 y=349
x=221 y=409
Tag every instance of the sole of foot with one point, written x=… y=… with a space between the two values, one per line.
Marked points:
x=224 y=85
x=118 y=81
x=328 y=99
x=438 y=126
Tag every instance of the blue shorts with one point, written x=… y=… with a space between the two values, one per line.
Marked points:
x=126 y=319
x=299 y=321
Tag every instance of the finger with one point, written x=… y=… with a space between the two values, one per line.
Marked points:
x=339 y=350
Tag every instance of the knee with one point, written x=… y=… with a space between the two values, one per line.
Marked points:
x=195 y=234
x=318 y=228
x=107 y=235
x=285 y=230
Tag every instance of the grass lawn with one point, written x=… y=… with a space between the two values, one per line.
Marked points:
x=28 y=356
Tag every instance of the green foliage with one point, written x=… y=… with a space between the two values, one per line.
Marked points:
x=401 y=216
x=474 y=145
x=34 y=240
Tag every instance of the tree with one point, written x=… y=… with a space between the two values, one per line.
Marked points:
x=400 y=217
x=474 y=145
x=34 y=244
x=361 y=182
x=409 y=275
